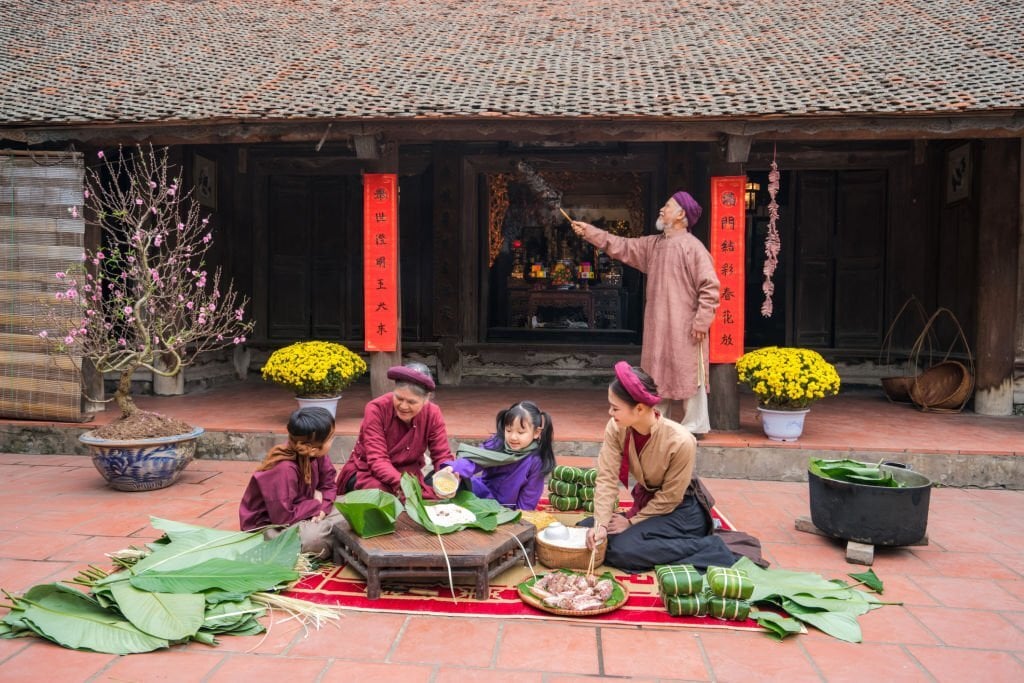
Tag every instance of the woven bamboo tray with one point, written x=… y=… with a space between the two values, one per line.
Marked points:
x=619 y=597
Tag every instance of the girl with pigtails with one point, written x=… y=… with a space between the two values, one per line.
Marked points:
x=512 y=464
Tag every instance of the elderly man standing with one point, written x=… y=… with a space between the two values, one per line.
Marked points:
x=682 y=296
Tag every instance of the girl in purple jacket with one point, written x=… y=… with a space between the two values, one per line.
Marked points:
x=512 y=465
x=295 y=484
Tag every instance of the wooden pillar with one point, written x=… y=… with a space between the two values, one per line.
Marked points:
x=724 y=399
x=447 y=159
x=999 y=221
x=380 y=361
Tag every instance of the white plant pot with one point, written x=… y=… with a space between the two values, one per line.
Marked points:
x=331 y=404
x=783 y=425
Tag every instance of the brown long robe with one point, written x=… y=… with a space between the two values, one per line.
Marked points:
x=682 y=296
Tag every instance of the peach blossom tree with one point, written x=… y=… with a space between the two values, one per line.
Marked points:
x=146 y=298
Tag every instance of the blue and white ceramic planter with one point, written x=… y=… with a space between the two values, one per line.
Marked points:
x=783 y=425
x=142 y=464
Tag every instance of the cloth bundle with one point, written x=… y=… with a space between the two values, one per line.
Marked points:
x=572 y=488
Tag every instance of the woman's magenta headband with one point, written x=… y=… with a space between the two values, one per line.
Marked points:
x=633 y=386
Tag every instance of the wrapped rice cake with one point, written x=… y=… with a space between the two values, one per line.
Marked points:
x=730 y=583
x=726 y=608
x=682 y=579
x=686 y=605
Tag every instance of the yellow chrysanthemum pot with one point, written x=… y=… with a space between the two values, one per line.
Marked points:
x=786 y=382
x=316 y=371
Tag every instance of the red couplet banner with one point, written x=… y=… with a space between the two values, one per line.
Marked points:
x=728 y=233
x=380 y=260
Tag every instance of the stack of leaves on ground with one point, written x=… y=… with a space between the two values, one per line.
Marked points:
x=831 y=606
x=194 y=583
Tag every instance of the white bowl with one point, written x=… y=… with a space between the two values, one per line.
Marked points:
x=556 y=531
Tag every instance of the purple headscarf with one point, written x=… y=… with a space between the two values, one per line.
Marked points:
x=690 y=207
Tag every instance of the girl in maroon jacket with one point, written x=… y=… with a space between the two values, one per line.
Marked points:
x=296 y=484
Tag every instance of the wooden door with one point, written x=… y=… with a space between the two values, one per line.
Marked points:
x=840 y=283
x=313 y=258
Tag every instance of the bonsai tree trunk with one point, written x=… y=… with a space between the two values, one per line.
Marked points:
x=123 y=395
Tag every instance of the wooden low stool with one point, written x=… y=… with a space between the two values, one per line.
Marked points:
x=856 y=552
x=414 y=555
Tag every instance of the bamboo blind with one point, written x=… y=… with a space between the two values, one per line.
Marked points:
x=39 y=235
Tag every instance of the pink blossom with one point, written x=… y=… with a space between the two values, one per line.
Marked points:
x=60 y=274
x=82 y=331
x=71 y=294
x=158 y=240
x=73 y=211
x=100 y=154
x=206 y=238
x=202 y=319
x=152 y=185
x=122 y=342
x=181 y=298
x=90 y=312
x=238 y=314
x=99 y=255
x=60 y=296
x=127 y=310
x=69 y=339
x=206 y=220
x=44 y=334
x=181 y=226
x=86 y=193
x=220 y=337
x=189 y=305
x=212 y=307
x=107 y=326
x=152 y=210
x=138 y=201
x=95 y=261
x=171 y=190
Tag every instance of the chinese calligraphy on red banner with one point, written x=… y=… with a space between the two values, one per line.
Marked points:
x=728 y=232
x=380 y=260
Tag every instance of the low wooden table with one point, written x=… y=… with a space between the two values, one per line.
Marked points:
x=414 y=554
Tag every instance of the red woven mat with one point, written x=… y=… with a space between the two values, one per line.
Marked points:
x=343 y=587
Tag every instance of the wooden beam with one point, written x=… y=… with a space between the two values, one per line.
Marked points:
x=567 y=130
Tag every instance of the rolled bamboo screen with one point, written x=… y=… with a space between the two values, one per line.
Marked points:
x=39 y=235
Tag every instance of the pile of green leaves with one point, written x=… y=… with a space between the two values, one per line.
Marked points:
x=195 y=583
x=489 y=513
x=854 y=472
x=831 y=606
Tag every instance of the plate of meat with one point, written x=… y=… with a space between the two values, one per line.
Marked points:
x=573 y=594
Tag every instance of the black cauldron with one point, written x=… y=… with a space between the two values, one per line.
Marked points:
x=877 y=515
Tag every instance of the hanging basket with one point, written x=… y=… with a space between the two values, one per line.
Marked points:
x=897 y=386
x=946 y=386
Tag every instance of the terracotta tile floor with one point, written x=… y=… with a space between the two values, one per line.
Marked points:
x=962 y=616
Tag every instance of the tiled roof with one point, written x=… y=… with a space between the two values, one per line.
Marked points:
x=72 y=61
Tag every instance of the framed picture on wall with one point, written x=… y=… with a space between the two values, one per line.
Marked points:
x=958 y=173
x=204 y=174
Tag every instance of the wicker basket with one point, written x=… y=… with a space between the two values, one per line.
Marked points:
x=897 y=389
x=560 y=557
x=944 y=387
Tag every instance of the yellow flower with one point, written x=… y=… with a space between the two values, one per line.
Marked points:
x=783 y=377
x=314 y=368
